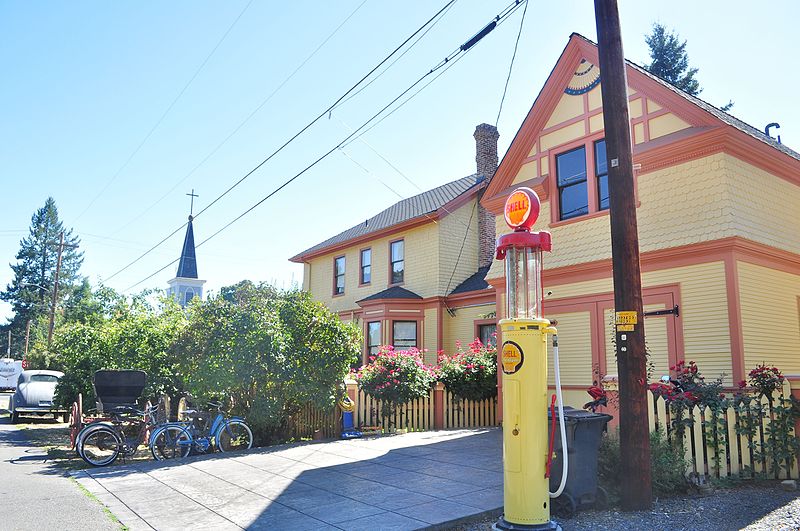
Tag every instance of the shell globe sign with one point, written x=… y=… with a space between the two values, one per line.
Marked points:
x=522 y=209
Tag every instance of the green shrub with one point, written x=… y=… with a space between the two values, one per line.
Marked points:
x=470 y=374
x=667 y=464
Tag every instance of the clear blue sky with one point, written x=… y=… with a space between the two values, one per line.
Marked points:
x=85 y=82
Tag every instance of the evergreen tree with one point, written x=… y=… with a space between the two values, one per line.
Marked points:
x=31 y=290
x=669 y=60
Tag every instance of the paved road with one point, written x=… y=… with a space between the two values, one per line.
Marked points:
x=404 y=482
x=34 y=495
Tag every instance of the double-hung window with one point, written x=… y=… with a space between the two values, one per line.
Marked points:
x=373 y=337
x=573 y=201
x=397 y=259
x=404 y=334
x=574 y=182
x=366 y=266
x=338 y=275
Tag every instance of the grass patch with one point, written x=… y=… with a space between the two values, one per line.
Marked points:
x=94 y=498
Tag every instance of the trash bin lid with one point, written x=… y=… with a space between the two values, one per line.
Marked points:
x=580 y=415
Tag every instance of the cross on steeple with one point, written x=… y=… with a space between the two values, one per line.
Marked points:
x=191 y=205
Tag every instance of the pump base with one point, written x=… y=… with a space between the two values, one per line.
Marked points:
x=503 y=525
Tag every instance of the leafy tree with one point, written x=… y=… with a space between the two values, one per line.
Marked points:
x=669 y=60
x=267 y=352
x=30 y=291
x=120 y=334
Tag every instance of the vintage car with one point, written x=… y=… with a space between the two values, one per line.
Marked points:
x=34 y=395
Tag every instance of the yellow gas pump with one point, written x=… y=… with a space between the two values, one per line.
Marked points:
x=524 y=364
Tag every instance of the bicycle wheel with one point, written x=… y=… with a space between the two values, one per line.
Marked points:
x=100 y=446
x=170 y=442
x=234 y=435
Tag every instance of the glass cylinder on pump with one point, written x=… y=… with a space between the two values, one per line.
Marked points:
x=523 y=283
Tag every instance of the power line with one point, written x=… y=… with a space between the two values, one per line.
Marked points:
x=164 y=114
x=296 y=135
x=511 y=66
x=443 y=65
x=246 y=120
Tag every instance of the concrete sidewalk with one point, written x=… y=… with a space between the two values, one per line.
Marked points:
x=36 y=494
x=410 y=481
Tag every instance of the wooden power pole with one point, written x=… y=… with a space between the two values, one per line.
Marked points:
x=637 y=492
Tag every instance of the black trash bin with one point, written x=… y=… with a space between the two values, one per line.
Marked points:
x=584 y=430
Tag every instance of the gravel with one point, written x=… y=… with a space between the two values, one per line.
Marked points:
x=762 y=506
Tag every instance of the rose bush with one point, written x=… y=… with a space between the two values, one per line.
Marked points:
x=395 y=377
x=470 y=374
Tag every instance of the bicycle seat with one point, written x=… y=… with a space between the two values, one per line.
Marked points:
x=192 y=413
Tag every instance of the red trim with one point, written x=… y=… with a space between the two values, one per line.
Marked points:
x=692 y=254
x=735 y=317
x=708 y=133
x=477 y=323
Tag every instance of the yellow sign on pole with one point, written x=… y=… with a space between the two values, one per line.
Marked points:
x=627 y=318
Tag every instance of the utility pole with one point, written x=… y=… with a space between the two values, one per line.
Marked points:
x=637 y=492
x=55 y=289
x=27 y=337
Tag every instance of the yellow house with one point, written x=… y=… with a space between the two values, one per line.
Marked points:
x=718 y=216
x=413 y=275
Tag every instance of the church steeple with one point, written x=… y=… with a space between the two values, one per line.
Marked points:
x=185 y=286
x=187 y=267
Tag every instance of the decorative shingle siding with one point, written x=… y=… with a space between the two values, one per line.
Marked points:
x=764 y=208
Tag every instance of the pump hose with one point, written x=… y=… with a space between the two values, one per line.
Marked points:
x=562 y=424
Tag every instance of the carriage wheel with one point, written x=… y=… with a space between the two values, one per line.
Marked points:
x=75 y=424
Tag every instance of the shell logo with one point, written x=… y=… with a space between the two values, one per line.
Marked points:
x=522 y=209
x=512 y=357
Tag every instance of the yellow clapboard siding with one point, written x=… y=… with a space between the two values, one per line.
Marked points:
x=461 y=327
x=770 y=322
x=575 y=359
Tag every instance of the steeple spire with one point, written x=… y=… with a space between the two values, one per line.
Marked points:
x=187 y=267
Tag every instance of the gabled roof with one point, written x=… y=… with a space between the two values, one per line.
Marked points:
x=474 y=283
x=431 y=205
x=702 y=115
x=187 y=267
x=395 y=292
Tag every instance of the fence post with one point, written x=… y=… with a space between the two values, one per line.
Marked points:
x=438 y=406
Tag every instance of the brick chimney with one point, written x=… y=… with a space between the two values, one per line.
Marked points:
x=486 y=159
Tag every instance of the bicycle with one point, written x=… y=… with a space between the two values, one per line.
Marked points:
x=121 y=433
x=201 y=434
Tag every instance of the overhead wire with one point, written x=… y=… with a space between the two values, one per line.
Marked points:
x=511 y=66
x=246 y=119
x=165 y=113
x=443 y=65
x=291 y=139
